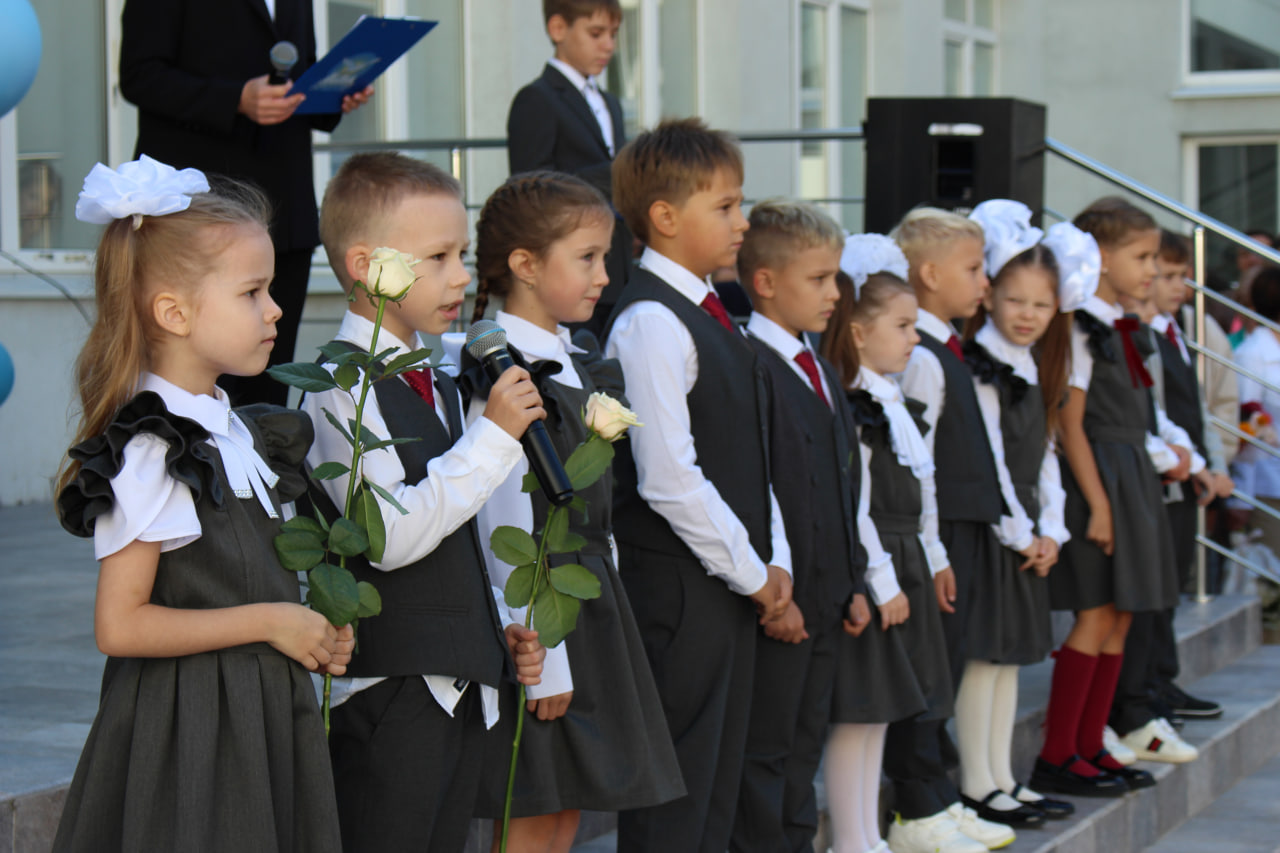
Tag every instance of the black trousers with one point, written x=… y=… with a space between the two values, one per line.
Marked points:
x=790 y=711
x=289 y=290
x=700 y=640
x=405 y=772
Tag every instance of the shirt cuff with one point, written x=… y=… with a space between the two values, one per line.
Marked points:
x=882 y=581
x=1014 y=533
x=1197 y=463
x=935 y=554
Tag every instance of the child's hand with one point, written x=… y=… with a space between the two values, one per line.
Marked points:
x=1047 y=556
x=787 y=628
x=1030 y=553
x=895 y=611
x=550 y=707
x=527 y=652
x=304 y=635
x=344 y=648
x=1101 y=531
x=514 y=402
x=772 y=598
x=1223 y=485
x=944 y=584
x=859 y=616
x=1182 y=470
x=1203 y=484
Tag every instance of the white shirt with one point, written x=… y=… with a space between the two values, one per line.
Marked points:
x=1015 y=531
x=788 y=346
x=591 y=91
x=457 y=484
x=1257 y=472
x=151 y=506
x=924 y=379
x=660 y=362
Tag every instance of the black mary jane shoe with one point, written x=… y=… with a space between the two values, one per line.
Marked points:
x=1052 y=809
x=1024 y=816
x=1059 y=779
x=1132 y=776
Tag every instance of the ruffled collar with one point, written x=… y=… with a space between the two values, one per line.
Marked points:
x=248 y=473
x=1007 y=352
x=908 y=444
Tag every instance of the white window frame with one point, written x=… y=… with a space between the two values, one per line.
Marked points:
x=1220 y=83
x=1191 y=146
x=968 y=34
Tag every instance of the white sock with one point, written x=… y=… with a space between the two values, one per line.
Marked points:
x=973 y=733
x=1004 y=709
x=871 y=768
x=843 y=772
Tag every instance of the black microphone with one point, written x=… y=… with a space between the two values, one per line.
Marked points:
x=487 y=343
x=284 y=55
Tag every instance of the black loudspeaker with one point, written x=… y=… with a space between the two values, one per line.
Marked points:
x=951 y=153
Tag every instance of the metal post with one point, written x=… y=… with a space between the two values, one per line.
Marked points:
x=455 y=162
x=1202 y=586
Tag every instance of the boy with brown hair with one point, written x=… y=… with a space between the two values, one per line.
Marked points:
x=788 y=264
x=700 y=535
x=564 y=120
x=408 y=724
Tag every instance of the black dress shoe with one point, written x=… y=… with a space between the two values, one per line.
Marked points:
x=1061 y=780
x=1189 y=707
x=1052 y=809
x=1023 y=816
x=1132 y=776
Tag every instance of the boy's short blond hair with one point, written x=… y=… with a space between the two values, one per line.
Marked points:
x=572 y=10
x=669 y=163
x=926 y=230
x=366 y=190
x=779 y=229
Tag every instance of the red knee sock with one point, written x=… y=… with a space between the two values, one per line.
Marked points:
x=1098 y=706
x=1072 y=679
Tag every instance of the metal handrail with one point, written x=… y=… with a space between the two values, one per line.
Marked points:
x=1242 y=310
x=1232 y=555
x=1231 y=365
x=1219 y=423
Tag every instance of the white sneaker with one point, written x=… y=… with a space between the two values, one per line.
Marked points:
x=934 y=834
x=1111 y=743
x=881 y=846
x=987 y=833
x=1157 y=741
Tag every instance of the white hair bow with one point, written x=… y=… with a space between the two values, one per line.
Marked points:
x=1007 y=231
x=142 y=187
x=865 y=255
x=1079 y=264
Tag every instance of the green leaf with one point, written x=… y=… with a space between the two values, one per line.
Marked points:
x=304 y=524
x=381 y=356
x=513 y=546
x=588 y=462
x=333 y=351
x=406 y=361
x=347 y=376
x=559 y=539
x=529 y=483
x=303 y=374
x=519 y=588
x=579 y=503
x=299 y=550
x=575 y=580
x=555 y=615
x=386 y=496
x=370 y=601
x=332 y=592
x=329 y=416
x=347 y=539
x=369 y=517
x=389 y=442
x=329 y=471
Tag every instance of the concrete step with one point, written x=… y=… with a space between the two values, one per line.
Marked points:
x=1243 y=820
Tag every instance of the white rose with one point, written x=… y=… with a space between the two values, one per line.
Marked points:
x=609 y=418
x=390 y=273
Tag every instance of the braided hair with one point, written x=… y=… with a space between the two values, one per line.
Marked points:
x=531 y=211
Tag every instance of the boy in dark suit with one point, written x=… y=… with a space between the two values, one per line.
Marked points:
x=789 y=262
x=565 y=122
x=700 y=535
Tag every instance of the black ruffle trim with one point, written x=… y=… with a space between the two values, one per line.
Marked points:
x=868 y=412
x=1099 y=334
x=286 y=436
x=991 y=371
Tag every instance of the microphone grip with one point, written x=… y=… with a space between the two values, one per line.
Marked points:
x=538 y=449
x=278 y=78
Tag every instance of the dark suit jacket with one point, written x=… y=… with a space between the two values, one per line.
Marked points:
x=184 y=63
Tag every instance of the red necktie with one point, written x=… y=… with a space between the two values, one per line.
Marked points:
x=810 y=367
x=713 y=306
x=420 y=381
x=1172 y=335
x=1138 y=374
x=953 y=344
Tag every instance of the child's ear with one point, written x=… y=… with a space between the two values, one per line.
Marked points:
x=1105 y=256
x=357 y=261
x=929 y=276
x=524 y=266
x=172 y=313
x=664 y=217
x=557 y=26
x=859 y=338
x=989 y=299
x=763 y=283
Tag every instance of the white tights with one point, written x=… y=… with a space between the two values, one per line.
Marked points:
x=986 y=705
x=855 y=752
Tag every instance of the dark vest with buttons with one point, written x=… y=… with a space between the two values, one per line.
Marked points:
x=1181 y=392
x=727 y=418
x=810 y=447
x=965 y=469
x=438 y=614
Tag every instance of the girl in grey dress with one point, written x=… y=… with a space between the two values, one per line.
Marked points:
x=208 y=736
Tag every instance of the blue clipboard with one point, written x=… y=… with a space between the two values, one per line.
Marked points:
x=356 y=61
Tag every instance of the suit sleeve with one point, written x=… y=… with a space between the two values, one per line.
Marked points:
x=531 y=132
x=151 y=78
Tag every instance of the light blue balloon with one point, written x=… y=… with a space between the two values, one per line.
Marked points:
x=6 y=374
x=19 y=52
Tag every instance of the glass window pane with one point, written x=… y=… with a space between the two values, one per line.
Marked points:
x=853 y=108
x=1235 y=35
x=62 y=127
x=984 y=69
x=955 y=11
x=1238 y=185
x=813 y=84
x=434 y=105
x=361 y=125
x=624 y=69
x=953 y=68
x=984 y=14
x=677 y=20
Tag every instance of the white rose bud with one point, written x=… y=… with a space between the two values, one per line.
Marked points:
x=609 y=418
x=390 y=273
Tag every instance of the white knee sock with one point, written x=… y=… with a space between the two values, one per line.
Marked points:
x=1004 y=708
x=844 y=773
x=973 y=733
x=871 y=768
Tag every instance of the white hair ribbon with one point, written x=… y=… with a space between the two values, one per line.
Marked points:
x=1007 y=231
x=142 y=187
x=865 y=255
